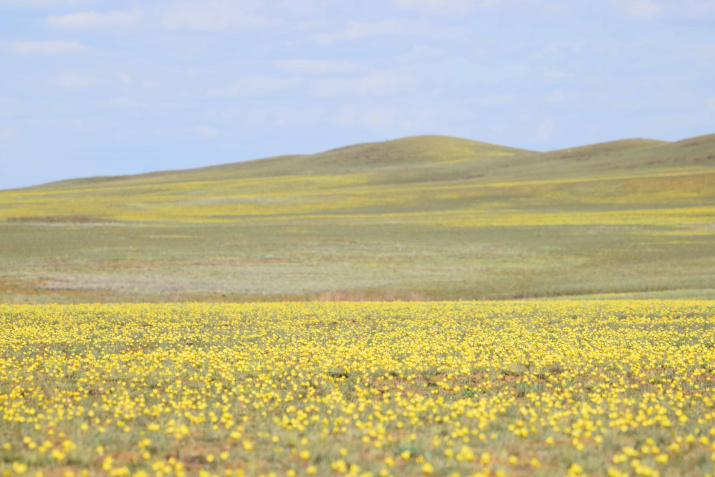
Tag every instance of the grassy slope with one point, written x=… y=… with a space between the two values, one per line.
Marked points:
x=422 y=217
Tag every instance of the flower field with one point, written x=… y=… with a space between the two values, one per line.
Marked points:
x=443 y=388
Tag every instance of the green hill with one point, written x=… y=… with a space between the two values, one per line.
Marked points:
x=416 y=151
x=421 y=217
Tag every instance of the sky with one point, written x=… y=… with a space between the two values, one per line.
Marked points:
x=108 y=87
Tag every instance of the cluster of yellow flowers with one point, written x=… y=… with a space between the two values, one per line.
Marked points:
x=359 y=389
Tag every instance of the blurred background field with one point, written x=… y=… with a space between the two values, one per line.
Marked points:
x=427 y=217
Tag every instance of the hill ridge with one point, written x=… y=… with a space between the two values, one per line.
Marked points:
x=424 y=157
x=432 y=217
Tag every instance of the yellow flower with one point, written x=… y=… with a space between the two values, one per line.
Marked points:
x=57 y=454
x=575 y=469
x=630 y=451
x=339 y=466
x=107 y=464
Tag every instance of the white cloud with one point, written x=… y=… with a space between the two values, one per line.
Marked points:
x=9 y=133
x=700 y=9
x=194 y=132
x=250 y=86
x=435 y=5
x=493 y=100
x=95 y=20
x=126 y=103
x=89 y=125
x=76 y=80
x=638 y=9
x=711 y=104
x=372 y=117
x=391 y=120
x=451 y=6
x=272 y=116
x=561 y=50
x=42 y=4
x=149 y=83
x=125 y=78
x=558 y=75
x=215 y=15
x=317 y=67
x=421 y=53
x=546 y=130
x=360 y=30
x=375 y=84
x=379 y=117
x=53 y=47
x=9 y=107
x=556 y=97
x=298 y=7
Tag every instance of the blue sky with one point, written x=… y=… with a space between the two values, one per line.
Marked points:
x=103 y=87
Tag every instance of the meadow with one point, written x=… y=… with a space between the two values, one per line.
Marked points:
x=421 y=218
x=621 y=387
x=350 y=341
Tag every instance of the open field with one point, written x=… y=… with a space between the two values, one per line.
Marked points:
x=432 y=218
x=461 y=388
x=310 y=387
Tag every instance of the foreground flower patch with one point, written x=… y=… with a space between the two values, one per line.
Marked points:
x=458 y=388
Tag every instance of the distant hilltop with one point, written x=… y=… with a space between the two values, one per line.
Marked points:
x=410 y=175
x=443 y=152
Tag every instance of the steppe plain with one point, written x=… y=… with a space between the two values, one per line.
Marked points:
x=433 y=306
x=427 y=217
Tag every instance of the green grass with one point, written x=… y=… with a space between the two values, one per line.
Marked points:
x=427 y=217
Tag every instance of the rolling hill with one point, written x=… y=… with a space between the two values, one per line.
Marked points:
x=428 y=217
